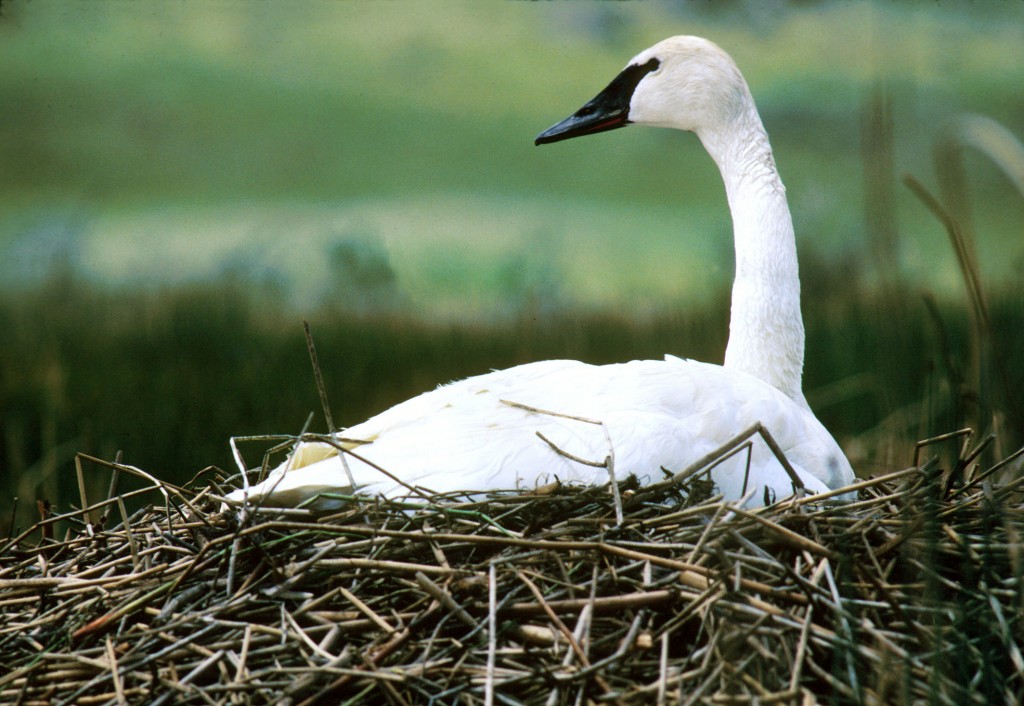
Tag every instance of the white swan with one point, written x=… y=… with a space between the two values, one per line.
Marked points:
x=501 y=430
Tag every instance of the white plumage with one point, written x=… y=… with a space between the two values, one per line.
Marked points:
x=657 y=416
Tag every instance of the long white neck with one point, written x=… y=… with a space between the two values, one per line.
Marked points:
x=766 y=330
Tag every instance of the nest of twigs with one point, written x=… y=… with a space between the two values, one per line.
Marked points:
x=910 y=595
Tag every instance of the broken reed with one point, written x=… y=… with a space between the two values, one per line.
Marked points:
x=909 y=595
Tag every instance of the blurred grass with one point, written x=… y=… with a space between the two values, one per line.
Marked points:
x=139 y=111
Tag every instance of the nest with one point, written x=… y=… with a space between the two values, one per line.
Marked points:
x=912 y=594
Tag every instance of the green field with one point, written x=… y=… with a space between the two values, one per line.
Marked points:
x=183 y=183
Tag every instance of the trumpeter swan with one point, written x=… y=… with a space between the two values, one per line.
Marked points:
x=515 y=428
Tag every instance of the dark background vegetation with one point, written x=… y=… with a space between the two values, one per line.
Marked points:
x=183 y=184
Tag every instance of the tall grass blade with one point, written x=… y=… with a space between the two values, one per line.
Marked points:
x=964 y=250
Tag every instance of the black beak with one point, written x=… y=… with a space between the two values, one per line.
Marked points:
x=608 y=110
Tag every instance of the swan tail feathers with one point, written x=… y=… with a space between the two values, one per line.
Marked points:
x=311 y=469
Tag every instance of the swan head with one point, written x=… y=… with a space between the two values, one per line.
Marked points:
x=687 y=83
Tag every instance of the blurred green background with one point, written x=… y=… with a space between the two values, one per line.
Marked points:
x=181 y=184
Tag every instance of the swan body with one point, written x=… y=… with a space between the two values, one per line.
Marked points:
x=505 y=429
x=484 y=433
